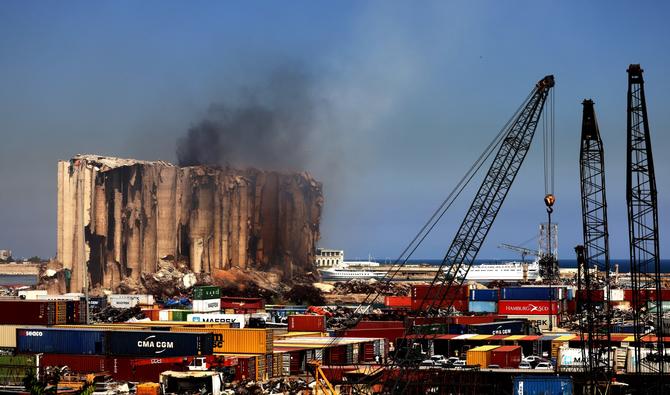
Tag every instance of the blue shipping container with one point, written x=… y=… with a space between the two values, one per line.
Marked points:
x=483 y=307
x=542 y=385
x=60 y=341
x=529 y=293
x=499 y=328
x=485 y=295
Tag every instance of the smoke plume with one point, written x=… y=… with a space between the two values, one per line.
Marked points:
x=268 y=125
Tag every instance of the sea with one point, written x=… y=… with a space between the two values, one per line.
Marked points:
x=624 y=264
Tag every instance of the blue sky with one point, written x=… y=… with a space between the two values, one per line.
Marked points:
x=411 y=93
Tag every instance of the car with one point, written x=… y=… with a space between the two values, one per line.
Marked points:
x=533 y=360
x=458 y=364
x=439 y=359
x=450 y=362
x=525 y=365
x=544 y=366
x=494 y=366
x=428 y=362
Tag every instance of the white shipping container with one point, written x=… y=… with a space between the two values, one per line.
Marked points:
x=235 y=320
x=57 y=297
x=207 y=306
x=645 y=366
x=616 y=295
x=571 y=359
x=127 y=301
x=32 y=294
x=542 y=321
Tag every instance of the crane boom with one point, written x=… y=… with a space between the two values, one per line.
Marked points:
x=492 y=192
x=595 y=323
x=643 y=231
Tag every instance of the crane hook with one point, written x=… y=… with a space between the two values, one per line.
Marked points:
x=549 y=201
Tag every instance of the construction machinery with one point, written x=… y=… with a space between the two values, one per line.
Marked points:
x=645 y=268
x=593 y=259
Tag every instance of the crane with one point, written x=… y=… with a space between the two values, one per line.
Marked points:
x=485 y=206
x=522 y=250
x=642 y=205
x=594 y=323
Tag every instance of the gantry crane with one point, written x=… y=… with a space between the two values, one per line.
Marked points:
x=642 y=205
x=593 y=258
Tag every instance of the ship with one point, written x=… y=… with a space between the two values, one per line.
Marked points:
x=508 y=271
x=358 y=270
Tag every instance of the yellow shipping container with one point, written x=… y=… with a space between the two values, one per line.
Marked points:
x=479 y=356
x=235 y=340
x=300 y=334
x=8 y=334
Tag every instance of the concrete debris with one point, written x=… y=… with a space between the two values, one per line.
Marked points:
x=371 y=287
x=113 y=315
x=288 y=386
x=122 y=215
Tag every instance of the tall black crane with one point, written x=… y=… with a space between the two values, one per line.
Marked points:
x=512 y=149
x=643 y=233
x=491 y=194
x=593 y=257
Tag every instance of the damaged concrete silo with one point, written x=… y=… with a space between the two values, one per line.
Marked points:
x=122 y=216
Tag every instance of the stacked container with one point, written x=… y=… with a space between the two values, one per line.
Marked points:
x=507 y=357
x=439 y=296
x=123 y=301
x=33 y=312
x=479 y=356
x=306 y=323
x=206 y=299
x=235 y=320
x=237 y=341
x=538 y=304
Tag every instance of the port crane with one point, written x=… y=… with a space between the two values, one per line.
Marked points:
x=512 y=147
x=522 y=250
x=642 y=203
x=592 y=258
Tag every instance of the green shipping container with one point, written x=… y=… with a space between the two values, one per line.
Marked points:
x=14 y=368
x=206 y=292
x=180 y=315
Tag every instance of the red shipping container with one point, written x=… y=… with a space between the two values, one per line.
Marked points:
x=120 y=368
x=528 y=307
x=507 y=357
x=306 y=323
x=597 y=295
x=427 y=321
x=421 y=292
x=458 y=304
x=246 y=368
x=379 y=324
x=646 y=294
x=152 y=314
x=33 y=312
x=233 y=302
x=475 y=319
x=398 y=301
x=390 y=334
x=571 y=306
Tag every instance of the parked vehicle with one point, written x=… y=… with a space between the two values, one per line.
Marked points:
x=458 y=364
x=428 y=362
x=438 y=359
x=449 y=362
x=533 y=360
x=494 y=366
x=525 y=365
x=544 y=366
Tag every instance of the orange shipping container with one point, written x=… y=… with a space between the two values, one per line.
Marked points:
x=235 y=340
x=480 y=356
x=148 y=389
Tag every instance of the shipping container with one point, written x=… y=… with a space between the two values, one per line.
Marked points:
x=207 y=306
x=13 y=368
x=482 y=307
x=306 y=323
x=458 y=304
x=206 y=292
x=61 y=341
x=152 y=314
x=500 y=328
x=571 y=359
x=484 y=295
x=148 y=388
x=235 y=320
x=159 y=343
x=32 y=294
x=232 y=302
x=616 y=295
x=246 y=368
x=665 y=306
x=8 y=335
x=543 y=385
x=476 y=319
x=398 y=301
x=124 y=301
x=421 y=292
x=507 y=357
x=528 y=307
x=530 y=293
x=32 y=312
x=379 y=324
x=541 y=322
x=390 y=334
x=596 y=295
x=119 y=368
x=479 y=356
x=237 y=341
x=647 y=366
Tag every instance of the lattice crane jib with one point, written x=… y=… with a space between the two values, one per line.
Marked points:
x=593 y=257
x=643 y=231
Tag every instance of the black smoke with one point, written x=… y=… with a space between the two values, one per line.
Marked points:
x=267 y=125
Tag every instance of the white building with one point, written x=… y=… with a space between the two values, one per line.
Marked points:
x=326 y=257
x=5 y=254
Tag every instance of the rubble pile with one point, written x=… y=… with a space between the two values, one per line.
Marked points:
x=113 y=315
x=371 y=287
